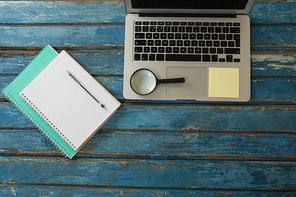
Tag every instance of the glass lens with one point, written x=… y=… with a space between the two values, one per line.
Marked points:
x=143 y=81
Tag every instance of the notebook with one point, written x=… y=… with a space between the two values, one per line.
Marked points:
x=205 y=42
x=67 y=112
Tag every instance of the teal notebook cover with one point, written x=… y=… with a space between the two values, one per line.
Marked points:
x=40 y=62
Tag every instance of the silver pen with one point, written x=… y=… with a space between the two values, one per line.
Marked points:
x=102 y=105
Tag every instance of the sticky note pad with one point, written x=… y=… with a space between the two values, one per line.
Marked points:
x=224 y=82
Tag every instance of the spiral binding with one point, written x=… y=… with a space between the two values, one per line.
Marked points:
x=39 y=127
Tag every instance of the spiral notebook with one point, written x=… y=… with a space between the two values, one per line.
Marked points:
x=67 y=112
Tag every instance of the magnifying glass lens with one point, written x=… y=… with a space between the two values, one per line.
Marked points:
x=143 y=82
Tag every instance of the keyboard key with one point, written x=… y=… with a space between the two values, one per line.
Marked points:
x=206 y=23
x=167 y=29
x=151 y=57
x=175 y=23
x=198 y=24
x=148 y=35
x=180 y=43
x=203 y=29
x=137 y=57
x=214 y=58
x=234 y=30
x=160 y=57
x=206 y=58
x=225 y=29
x=213 y=24
x=236 y=24
x=172 y=42
x=186 y=43
x=190 y=23
x=236 y=60
x=156 y=35
x=212 y=50
x=229 y=58
x=216 y=43
x=202 y=43
x=160 y=49
x=153 y=23
x=207 y=36
x=160 y=23
x=183 y=50
x=214 y=36
x=220 y=50
x=211 y=29
x=188 y=29
x=199 y=36
x=145 y=23
x=228 y=36
x=237 y=43
x=181 y=29
x=170 y=36
x=223 y=43
x=152 y=28
x=176 y=50
x=192 y=36
x=140 y=42
x=150 y=42
x=157 y=42
x=139 y=35
x=232 y=50
x=168 y=23
x=209 y=43
x=147 y=49
x=153 y=49
x=138 y=29
x=177 y=57
x=190 y=50
x=221 y=24
x=228 y=24
x=221 y=59
x=165 y=43
x=230 y=43
x=221 y=36
x=194 y=43
x=195 y=29
x=205 y=50
x=159 y=28
x=217 y=29
x=145 y=29
x=183 y=23
x=174 y=29
x=163 y=35
x=197 y=50
x=185 y=36
x=177 y=36
x=138 y=49
x=144 y=57
x=168 y=49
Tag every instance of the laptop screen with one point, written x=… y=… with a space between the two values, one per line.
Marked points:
x=189 y=4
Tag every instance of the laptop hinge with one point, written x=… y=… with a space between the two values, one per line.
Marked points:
x=187 y=15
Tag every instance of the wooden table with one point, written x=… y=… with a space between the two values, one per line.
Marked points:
x=151 y=148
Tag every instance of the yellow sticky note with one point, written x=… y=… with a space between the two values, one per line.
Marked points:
x=224 y=82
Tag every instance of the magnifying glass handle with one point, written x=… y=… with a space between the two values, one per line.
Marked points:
x=174 y=80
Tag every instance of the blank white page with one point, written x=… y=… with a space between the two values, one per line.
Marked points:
x=65 y=105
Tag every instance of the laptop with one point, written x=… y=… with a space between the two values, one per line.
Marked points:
x=204 y=42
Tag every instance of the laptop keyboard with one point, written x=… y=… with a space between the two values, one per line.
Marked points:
x=187 y=41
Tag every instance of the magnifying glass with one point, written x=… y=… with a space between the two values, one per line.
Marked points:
x=144 y=81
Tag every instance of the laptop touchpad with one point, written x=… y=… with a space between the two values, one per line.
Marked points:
x=196 y=82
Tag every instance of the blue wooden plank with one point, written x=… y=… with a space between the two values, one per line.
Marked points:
x=110 y=62
x=183 y=117
x=164 y=145
x=92 y=12
x=262 y=89
x=175 y=174
x=31 y=190
x=104 y=35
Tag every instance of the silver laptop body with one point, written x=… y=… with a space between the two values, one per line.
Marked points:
x=205 y=42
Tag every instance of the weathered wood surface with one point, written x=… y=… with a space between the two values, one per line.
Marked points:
x=151 y=148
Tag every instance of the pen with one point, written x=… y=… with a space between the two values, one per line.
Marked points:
x=85 y=88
